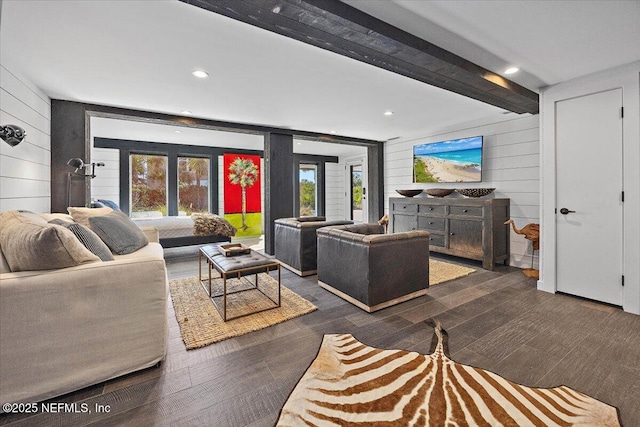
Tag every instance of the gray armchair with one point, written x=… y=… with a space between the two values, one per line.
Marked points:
x=295 y=242
x=373 y=270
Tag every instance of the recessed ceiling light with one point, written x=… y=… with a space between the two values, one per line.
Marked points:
x=299 y=143
x=200 y=74
x=177 y=131
x=511 y=70
x=185 y=112
x=333 y=132
x=388 y=113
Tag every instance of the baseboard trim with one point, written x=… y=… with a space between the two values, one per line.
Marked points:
x=296 y=271
x=371 y=309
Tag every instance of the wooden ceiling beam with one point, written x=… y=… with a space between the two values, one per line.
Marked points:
x=345 y=30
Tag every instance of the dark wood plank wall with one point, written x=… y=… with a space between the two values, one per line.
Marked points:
x=279 y=183
x=375 y=196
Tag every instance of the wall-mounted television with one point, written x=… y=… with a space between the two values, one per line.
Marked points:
x=455 y=160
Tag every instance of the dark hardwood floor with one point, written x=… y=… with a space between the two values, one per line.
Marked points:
x=496 y=320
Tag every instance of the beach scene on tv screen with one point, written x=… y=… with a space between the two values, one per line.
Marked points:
x=456 y=160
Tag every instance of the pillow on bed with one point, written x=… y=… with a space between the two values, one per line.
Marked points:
x=208 y=224
x=117 y=230
x=110 y=204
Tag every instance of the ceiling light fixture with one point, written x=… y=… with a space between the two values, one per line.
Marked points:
x=388 y=113
x=200 y=74
x=333 y=132
x=187 y=112
x=177 y=131
x=511 y=70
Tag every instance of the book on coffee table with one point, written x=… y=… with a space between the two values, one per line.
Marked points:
x=232 y=249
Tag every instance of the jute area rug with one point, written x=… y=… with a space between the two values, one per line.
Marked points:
x=352 y=384
x=440 y=271
x=200 y=323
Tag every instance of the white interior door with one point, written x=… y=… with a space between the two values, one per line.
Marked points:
x=589 y=213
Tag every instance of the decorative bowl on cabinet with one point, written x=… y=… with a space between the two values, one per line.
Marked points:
x=475 y=192
x=409 y=193
x=439 y=192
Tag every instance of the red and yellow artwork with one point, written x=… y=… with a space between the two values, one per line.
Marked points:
x=242 y=193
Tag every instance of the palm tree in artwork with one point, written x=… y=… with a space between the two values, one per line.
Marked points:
x=243 y=172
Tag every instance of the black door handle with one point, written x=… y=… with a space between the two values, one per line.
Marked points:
x=565 y=211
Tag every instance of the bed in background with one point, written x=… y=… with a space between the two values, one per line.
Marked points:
x=183 y=230
x=177 y=231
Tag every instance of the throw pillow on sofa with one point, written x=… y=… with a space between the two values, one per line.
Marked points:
x=82 y=215
x=117 y=230
x=30 y=244
x=88 y=238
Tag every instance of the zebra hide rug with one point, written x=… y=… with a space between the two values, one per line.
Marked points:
x=351 y=384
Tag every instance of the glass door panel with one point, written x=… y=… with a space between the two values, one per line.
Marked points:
x=308 y=190
x=356 y=192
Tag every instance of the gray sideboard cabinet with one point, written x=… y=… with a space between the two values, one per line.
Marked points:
x=470 y=228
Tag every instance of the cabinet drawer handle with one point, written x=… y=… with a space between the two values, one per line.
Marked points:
x=451 y=234
x=430 y=222
x=430 y=209
x=464 y=210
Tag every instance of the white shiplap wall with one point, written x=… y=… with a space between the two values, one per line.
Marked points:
x=511 y=164
x=334 y=191
x=25 y=170
x=106 y=184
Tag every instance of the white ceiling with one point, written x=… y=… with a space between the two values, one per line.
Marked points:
x=550 y=40
x=140 y=55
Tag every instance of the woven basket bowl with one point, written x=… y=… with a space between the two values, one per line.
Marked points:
x=475 y=192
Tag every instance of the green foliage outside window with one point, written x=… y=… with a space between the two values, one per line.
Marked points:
x=356 y=190
x=193 y=185
x=307 y=197
x=148 y=183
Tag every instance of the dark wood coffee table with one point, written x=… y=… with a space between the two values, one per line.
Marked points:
x=236 y=266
